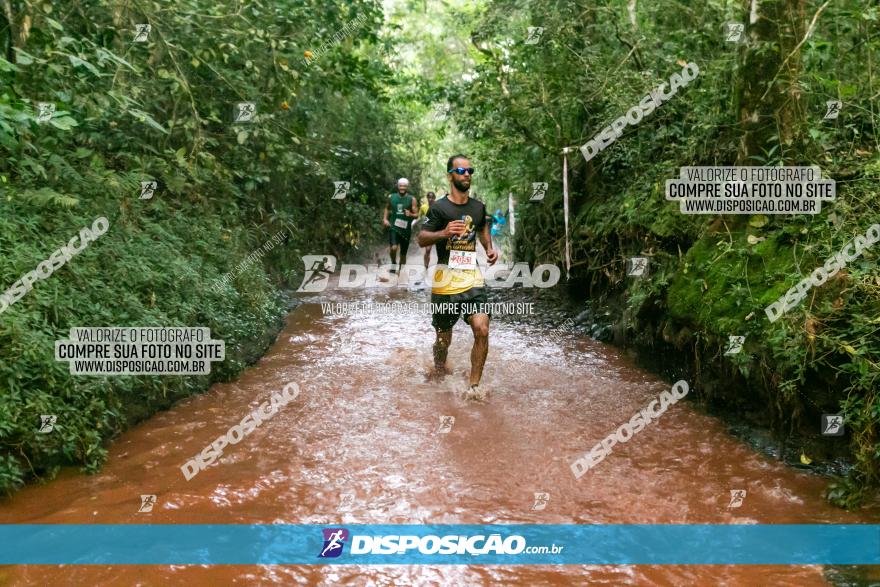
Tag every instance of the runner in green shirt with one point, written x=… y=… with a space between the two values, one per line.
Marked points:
x=402 y=207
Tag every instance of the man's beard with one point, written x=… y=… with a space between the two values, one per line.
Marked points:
x=460 y=186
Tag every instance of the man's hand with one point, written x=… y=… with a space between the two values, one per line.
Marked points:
x=385 y=223
x=491 y=256
x=455 y=228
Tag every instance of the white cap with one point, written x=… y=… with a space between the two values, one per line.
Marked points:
x=403 y=181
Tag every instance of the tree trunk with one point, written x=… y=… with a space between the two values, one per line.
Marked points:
x=771 y=115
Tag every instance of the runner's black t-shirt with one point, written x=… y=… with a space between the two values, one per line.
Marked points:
x=463 y=249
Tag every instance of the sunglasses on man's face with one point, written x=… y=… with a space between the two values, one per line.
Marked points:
x=461 y=170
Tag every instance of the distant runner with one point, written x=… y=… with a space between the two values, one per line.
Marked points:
x=423 y=218
x=454 y=223
x=403 y=208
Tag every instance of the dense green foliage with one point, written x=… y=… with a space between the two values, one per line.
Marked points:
x=711 y=276
x=129 y=111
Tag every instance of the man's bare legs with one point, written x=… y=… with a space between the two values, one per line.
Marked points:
x=480 y=327
x=394 y=254
x=441 y=350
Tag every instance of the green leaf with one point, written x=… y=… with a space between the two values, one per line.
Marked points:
x=54 y=23
x=242 y=136
x=142 y=116
x=23 y=57
x=76 y=61
x=758 y=220
x=6 y=66
x=63 y=122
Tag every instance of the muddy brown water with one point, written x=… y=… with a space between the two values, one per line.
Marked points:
x=365 y=426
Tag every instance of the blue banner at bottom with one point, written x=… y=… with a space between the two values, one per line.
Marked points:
x=501 y=544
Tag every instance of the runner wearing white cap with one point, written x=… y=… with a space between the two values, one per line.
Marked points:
x=402 y=207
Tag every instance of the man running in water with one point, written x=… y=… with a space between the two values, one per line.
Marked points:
x=403 y=208
x=454 y=224
x=423 y=212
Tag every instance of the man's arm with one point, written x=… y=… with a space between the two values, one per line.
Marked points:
x=486 y=241
x=413 y=212
x=385 y=214
x=426 y=239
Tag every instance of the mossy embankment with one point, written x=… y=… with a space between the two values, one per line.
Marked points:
x=714 y=278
